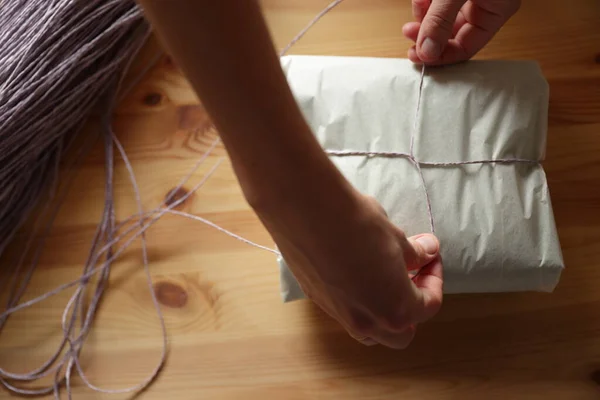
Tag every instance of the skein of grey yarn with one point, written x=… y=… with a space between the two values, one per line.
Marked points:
x=57 y=59
x=61 y=61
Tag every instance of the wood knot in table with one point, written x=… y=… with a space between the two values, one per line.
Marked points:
x=152 y=99
x=170 y=294
x=175 y=195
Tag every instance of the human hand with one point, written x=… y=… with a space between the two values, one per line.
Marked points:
x=359 y=273
x=451 y=31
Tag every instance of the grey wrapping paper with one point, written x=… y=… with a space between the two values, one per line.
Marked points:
x=494 y=221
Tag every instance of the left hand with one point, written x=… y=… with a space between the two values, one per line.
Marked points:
x=451 y=31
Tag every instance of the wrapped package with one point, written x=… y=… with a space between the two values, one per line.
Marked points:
x=401 y=137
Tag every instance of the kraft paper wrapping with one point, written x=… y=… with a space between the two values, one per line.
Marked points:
x=494 y=221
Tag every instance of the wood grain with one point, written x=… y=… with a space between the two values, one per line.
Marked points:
x=230 y=335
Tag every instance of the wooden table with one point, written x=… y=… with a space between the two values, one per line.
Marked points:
x=230 y=335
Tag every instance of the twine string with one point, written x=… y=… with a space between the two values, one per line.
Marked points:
x=312 y=23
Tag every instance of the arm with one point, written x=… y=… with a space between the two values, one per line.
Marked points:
x=339 y=244
x=225 y=50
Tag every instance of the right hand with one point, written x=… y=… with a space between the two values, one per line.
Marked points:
x=451 y=31
x=358 y=274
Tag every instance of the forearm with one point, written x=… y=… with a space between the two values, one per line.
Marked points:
x=225 y=50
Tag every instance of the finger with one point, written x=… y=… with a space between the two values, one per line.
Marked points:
x=419 y=9
x=436 y=29
x=453 y=53
x=363 y=340
x=475 y=26
x=397 y=341
x=489 y=16
x=430 y=283
x=460 y=21
x=369 y=342
x=411 y=30
x=479 y=28
x=420 y=251
x=468 y=41
x=412 y=55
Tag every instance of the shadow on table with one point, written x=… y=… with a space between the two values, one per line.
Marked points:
x=527 y=339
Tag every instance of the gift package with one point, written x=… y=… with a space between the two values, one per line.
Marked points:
x=456 y=149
